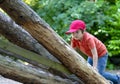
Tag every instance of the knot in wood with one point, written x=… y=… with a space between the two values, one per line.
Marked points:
x=21 y=16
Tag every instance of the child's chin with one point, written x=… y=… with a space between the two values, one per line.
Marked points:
x=76 y=38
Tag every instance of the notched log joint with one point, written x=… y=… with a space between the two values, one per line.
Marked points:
x=1 y=1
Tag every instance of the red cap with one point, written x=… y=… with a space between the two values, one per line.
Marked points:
x=76 y=25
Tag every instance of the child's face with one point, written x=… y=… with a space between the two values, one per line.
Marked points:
x=77 y=35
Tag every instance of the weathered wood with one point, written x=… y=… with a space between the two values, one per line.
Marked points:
x=31 y=57
x=48 y=66
x=28 y=74
x=40 y=30
x=17 y=35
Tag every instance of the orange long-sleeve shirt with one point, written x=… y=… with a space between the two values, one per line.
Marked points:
x=87 y=43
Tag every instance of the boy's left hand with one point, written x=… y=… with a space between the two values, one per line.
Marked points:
x=95 y=69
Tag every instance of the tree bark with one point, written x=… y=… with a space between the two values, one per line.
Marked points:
x=17 y=35
x=31 y=57
x=41 y=31
x=28 y=74
x=55 y=68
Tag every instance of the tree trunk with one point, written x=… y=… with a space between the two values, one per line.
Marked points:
x=40 y=30
x=17 y=35
x=28 y=74
x=55 y=68
x=31 y=57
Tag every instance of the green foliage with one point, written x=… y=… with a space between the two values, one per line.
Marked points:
x=101 y=17
x=60 y=13
x=114 y=32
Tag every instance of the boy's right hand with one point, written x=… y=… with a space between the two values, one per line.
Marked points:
x=95 y=68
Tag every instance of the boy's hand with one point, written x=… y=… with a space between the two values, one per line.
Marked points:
x=95 y=68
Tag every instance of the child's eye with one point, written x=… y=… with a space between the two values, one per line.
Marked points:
x=77 y=31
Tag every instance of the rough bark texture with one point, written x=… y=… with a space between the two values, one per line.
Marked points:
x=28 y=74
x=30 y=57
x=41 y=31
x=17 y=35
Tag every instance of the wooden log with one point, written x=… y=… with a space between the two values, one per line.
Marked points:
x=28 y=74
x=43 y=33
x=17 y=35
x=39 y=61
x=31 y=57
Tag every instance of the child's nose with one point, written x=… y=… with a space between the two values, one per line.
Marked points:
x=74 y=34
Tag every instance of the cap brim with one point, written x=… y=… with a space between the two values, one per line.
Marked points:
x=70 y=31
x=67 y=32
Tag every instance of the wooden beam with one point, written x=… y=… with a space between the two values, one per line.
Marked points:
x=28 y=74
x=17 y=35
x=33 y=56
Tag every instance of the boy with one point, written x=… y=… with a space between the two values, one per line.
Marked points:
x=92 y=47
